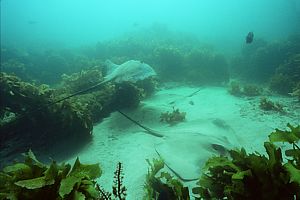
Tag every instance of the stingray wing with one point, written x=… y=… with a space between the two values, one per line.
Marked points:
x=131 y=70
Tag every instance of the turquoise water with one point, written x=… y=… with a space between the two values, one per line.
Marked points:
x=223 y=24
x=187 y=73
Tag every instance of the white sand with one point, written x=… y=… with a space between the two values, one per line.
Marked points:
x=117 y=139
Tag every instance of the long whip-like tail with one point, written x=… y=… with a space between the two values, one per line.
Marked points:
x=149 y=130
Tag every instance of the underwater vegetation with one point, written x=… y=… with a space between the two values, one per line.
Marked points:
x=287 y=76
x=81 y=80
x=32 y=179
x=238 y=175
x=161 y=185
x=173 y=117
x=296 y=92
x=204 y=66
x=268 y=105
x=276 y=64
x=181 y=59
x=15 y=67
x=28 y=111
x=33 y=110
x=249 y=90
x=44 y=66
x=255 y=176
x=258 y=61
x=118 y=189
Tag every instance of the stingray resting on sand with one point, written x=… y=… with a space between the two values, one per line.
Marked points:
x=185 y=151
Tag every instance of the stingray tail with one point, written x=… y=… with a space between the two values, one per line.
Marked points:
x=149 y=130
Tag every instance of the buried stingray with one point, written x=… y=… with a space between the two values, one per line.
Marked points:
x=186 y=151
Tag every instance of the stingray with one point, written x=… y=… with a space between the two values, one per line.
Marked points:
x=131 y=70
x=186 y=151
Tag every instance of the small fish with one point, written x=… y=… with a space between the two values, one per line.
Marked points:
x=249 y=38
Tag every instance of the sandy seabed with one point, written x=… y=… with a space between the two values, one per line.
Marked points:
x=116 y=139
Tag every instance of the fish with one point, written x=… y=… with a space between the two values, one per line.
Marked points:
x=132 y=70
x=249 y=37
x=185 y=151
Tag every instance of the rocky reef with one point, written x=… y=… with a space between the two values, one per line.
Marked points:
x=275 y=64
x=36 y=114
x=287 y=76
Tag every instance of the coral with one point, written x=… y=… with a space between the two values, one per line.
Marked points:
x=32 y=179
x=172 y=118
x=254 y=176
x=269 y=105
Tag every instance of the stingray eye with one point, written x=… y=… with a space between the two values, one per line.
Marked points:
x=219 y=148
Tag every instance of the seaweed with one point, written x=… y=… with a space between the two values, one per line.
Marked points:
x=169 y=58
x=32 y=179
x=254 y=176
x=258 y=61
x=287 y=75
x=249 y=90
x=204 y=66
x=36 y=113
x=118 y=189
x=235 y=89
x=172 y=118
x=268 y=105
x=81 y=80
x=163 y=186
x=296 y=92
